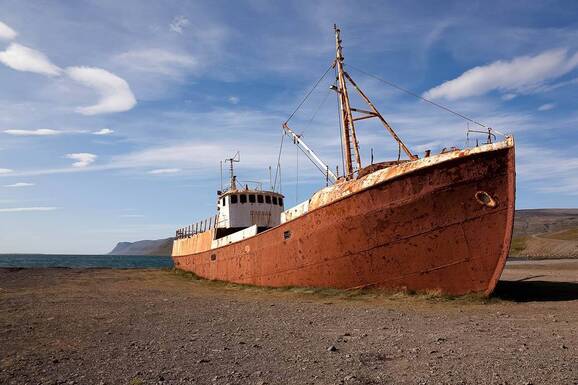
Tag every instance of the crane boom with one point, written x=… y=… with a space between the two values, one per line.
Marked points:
x=310 y=154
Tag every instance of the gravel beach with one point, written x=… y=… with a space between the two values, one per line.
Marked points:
x=106 y=326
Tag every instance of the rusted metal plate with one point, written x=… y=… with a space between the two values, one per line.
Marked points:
x=418 y=227
x=193 y=244
x=346 y=188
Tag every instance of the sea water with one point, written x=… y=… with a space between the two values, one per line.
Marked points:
x=80 y=261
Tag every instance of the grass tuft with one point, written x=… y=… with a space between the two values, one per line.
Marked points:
x=362 y=294
x=518 y=245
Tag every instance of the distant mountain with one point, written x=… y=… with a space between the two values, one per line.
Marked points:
x=158 y=247
x=546 y=233
x=539 y=233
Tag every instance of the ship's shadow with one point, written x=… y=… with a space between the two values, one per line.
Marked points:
x=529 y=291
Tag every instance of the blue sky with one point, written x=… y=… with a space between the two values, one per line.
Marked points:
x=114 y=115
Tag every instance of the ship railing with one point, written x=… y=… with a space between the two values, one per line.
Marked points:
x=245 y=185
x=199 y=227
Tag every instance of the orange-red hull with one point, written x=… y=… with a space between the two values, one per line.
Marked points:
x=423 y=230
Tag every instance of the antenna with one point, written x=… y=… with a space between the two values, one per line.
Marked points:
x=236 y=158
x=221 y=165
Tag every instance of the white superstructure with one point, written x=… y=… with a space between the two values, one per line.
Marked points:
x=245 y=208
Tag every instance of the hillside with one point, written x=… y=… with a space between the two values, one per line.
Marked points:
x=546 y=233
x=158 y=247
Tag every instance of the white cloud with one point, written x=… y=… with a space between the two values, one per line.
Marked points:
x=115 y=93
x=21 y=58
x=20 y=184
x=38 y=132
x=178 y=24
x=546 y=107
x=83 y=159
x=26 y=209
x=519 y=74
x=104 y=131
x=5 y=171
x=547 y=170
x=158 y=61
x=234 y=99
x=161 y=171
x=132 y=216
x=509 y=96
x=7 y=33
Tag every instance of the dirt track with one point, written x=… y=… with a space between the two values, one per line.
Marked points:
x=147 y=327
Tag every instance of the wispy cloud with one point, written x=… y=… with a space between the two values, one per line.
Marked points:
x=20 y=184
x=158 y=61
x=83 y=159
x=21 y=58
x=234 y=99
x=115 y=93
x=178 y=24
x=547 y=170
x=7 y=33
x=38 y=132
x=546 y=107
x=103 y=131
x=27 y=209
x=51 y=132
x=518 y=74
x=163 y=171
x=509 y=96
x=5 y=171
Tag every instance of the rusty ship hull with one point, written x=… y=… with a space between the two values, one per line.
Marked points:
x=417 y=226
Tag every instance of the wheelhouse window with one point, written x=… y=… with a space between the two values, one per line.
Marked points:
x=233 y=199
x=251 y=198
x=280 y=201
x=243 y=198
x=267 y=199
x=274 y=200
x=224 y=201
x=259 y=198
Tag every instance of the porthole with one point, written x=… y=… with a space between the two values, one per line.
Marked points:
x=213 y=257
x=485 y=199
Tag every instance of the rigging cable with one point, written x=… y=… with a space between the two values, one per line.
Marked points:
x=313 y=117
x=317 y=110
x=278 y=168
x=297 y=181
x=309 y=93
x=339 y=124
x=422 y=98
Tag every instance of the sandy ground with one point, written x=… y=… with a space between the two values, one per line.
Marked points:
x=99 y=326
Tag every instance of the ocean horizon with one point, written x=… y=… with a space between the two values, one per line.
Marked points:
x=84 y=261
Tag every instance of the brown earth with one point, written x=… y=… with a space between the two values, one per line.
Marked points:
x=102 y=326
x=545 y=233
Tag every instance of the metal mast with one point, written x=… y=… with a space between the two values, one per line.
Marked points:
x=347 y=127
x=349 y=137
x=347 y=118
